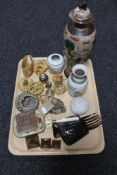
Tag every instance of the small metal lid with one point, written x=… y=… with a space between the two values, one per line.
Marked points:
x=81 y=14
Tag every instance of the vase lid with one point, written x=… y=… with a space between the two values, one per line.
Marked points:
x=81 y=14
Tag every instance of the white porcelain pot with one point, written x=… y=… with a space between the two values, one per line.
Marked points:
x=56 y=63
x=77 y=84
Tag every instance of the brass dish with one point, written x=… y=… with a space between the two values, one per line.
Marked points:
x=27 y=124
x=36 y=88
x=27 y=101
x=40 y=66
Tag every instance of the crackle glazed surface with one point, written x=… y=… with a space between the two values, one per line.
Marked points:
x=77 y=48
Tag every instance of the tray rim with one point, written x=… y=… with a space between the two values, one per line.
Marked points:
x=55 y=152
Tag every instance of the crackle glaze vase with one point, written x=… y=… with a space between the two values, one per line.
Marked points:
x=79 y=35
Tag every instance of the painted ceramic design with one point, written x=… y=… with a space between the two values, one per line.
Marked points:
x=77 y=48
x=79 y=35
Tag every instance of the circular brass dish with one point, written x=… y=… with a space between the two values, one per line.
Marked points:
x=27 y=101
x=40 y=66
x=36 y=88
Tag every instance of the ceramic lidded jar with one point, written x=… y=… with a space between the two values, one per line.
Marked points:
x=79 y=35
x=56 y=63
x=77 y=81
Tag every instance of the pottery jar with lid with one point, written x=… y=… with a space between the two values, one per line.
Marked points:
x=77 y=81
x=56 y=63
x=79 y=35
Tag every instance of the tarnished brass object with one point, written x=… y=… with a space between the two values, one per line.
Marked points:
x=59 y=89
x=59 y=86
x=24 y=84
x=46 y=107
x=42 y=98
x=49 y=91
x=27 y=65
x=40 y=66
x=49 y=85
x=57 y=78
x=27 y=101
x=59 y=106
x=36 y=88
x=28 y=123
x=32 y=141
x=45 y=143
x=56 y=144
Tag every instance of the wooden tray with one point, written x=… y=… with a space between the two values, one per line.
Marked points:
x=91 y=144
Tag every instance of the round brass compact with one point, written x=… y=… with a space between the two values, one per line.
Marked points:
x=36 y=88
x=24 y=84
x=27 y=65
x=27 y=101
x=40 y=66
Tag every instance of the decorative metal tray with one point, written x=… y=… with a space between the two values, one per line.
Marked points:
x=93 y=143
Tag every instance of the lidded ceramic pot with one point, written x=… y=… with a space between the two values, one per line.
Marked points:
x=77 y=81
x=79 y=35
x=56 y=63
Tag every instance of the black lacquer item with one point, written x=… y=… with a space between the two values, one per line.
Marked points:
x=72 y=129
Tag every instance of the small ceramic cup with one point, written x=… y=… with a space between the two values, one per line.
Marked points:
x=27 y=66
x=56 y=63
